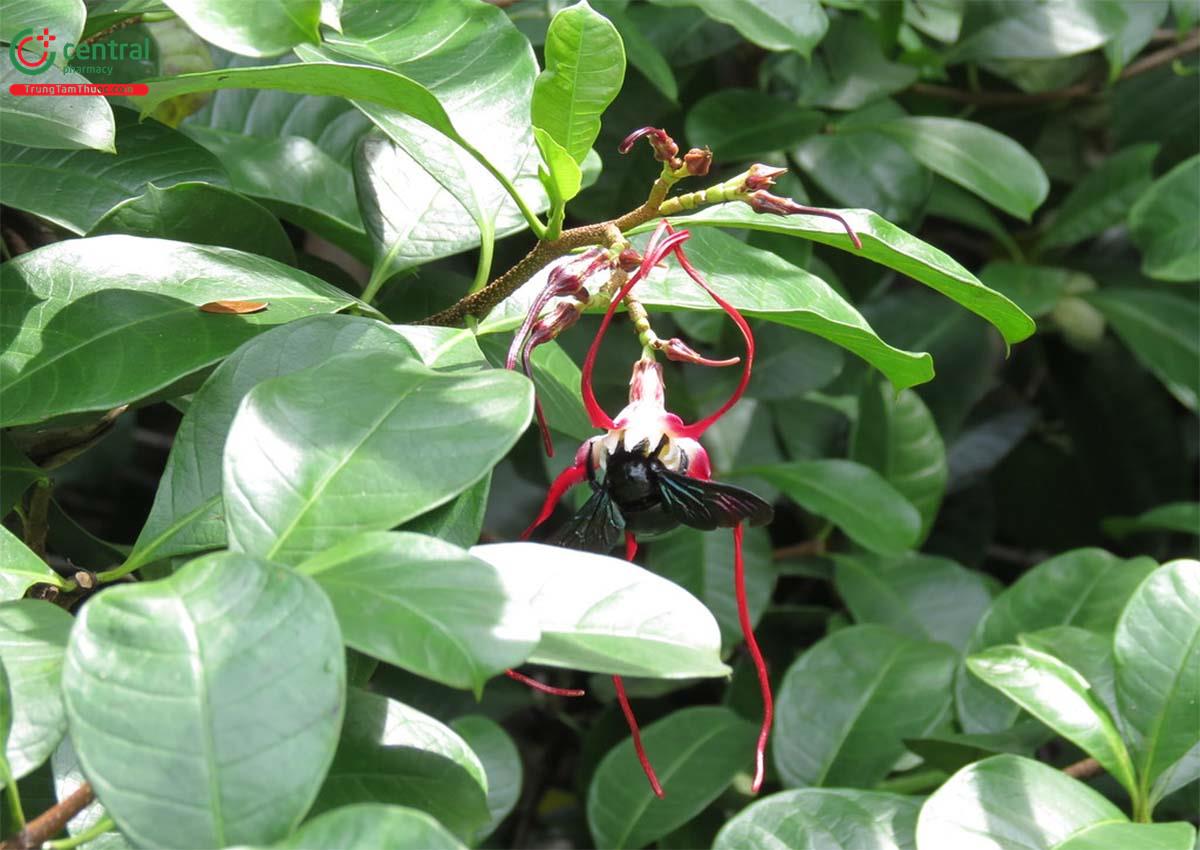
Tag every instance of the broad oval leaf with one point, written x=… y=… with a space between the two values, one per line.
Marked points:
x=390 y=440
x=888 y=245
x=1035 y=31
x=1157 y=651
x=1060 y=697
x=370 y=826
x=1163 y=224
x=74 y=189
x=176 y=671
x=426 y=606
x=977 y=158
x=20 y=568
x=829 y=819
x=696 y=753
x=33 y=638
x=1183 y=517
x=91 y=324
x=1143 y=836
x=745 y=123
x=1090 y=654
x=1083 y=587
x=853 y=497
x=773 y=24
x=585 y=66
x=846 y=705
x=63 y=123
x=1103 y=197
x=605 y=615
x=188 y=514
x=252 y=29
x=501 y=763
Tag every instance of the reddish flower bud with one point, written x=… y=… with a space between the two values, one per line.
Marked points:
x=629 y=260
x=665 y=149
x=761 y=176
x=697 y=161
x=763 y=201
x=678 y=350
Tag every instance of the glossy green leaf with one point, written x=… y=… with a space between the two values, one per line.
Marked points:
x=1183 y=517
x=702 y=563
x=952 y=751
x=1082 y=587
x=854 y=69
x=1157 y=650
x=20 y=569
x=585 y=67
x=1103 y=197
x=1036 y=289
x=17 y=474
x=203 y=214
x=1162 y=223
x=117 y=318
x=941 y=19
x=188 y=514
x=640 y=50
x=921 y=596
x=1006 y=802
x=865 y=169
x=501 y=763
x=1037 y=31
x=947 y=200
x=424 y=605
x=977 y=158
x=897 y=437
x=33 y=638
x=774 y=24
x=68 y=777
x=459 y=521
x=369 y=826
x=562 y=177
x=555 y=380
x=825 y=818
x=62 y=123
x=6 y=720
x=74 y=189
x=1089 y=653
x=1060 y=697
x=1141 y=21
x=64 y=17
x=391 y=440
x=696 y=753
x=888 y=245
x=1159 y=328
x=853 y=497
x=262 y=28
x=605 y=615
x=1143 y=836
x=847 y=703
x=161 y=679
x=744 y=123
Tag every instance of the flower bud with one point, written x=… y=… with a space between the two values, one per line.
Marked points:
x=763 y=201
x=665 y=149
x=697 y=161
x=629 y=260
x=761 y=176
x=679 y=351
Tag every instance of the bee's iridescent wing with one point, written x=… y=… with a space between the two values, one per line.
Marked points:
x=598 y=527
x=709 y=504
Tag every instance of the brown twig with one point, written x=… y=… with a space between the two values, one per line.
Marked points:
x=37 y=519
x=1083 y=89
x=800 y=550
x=1084 y=769
x=50 y=822
x=107 y=31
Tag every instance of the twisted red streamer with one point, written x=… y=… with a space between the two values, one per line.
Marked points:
x=568 y=478
x=544 y=688
x=647 y=768
x=760 y=666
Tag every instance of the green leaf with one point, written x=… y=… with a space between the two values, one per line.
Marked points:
x=702 y=563
x=896 y=436
x=1006 y=802
x=20 y=569
x=1036 y=289
x=1083 y=587
x=391 y=440
x=1144 y=836
x=853 y=497
x=1037 y=31
x=854 y=71
x=188 y=514
x=829 y=819
x=847 y=703
x=604 y=615
x=585 y=67
x=940 y=19
x=33 y=638
x=921 y=596
x=458 y=521
x=117 y=318
x=1183 y=517
x=63 y=123
x=17 y=474
x=949 y=201
x=888 y=245
x=501 y=762
x=744 y=124
x=774 y=24
x=1060 y=697
x=1089 y=653
x=1159 y=328
x=262 y=28
x=696 y=753
x=564 y=177
x=369 y=826
x=952 y=751
x=1103 y=197
x=75 y=189
x=161 y=679
x=63 y=17
x=1163 y=224
x=425 y=606
x=640 y=50
x=975 y=157
x=1157 y=650
x=556 y=382
x=200 y=213
x=1142 y=19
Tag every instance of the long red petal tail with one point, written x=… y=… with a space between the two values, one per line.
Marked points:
x=760 y=666
x=541 y=686
x=631 y=546
x=568 y=478
x=647 y=768
x=698 y=428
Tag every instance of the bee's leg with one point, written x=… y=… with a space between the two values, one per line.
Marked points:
x=576 y=473
x=760 y=666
